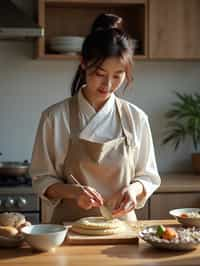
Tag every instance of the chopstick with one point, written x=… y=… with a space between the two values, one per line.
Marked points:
x=76 y=182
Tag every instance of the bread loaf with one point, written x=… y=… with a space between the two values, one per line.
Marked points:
x=8 y=231
x=13 y=219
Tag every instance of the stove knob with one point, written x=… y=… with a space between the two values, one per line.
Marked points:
x=21 y=202
x=10 y=202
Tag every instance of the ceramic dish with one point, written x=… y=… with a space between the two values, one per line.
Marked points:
x=191 y=220
x=187 y=238
x=44 y=236
x=11 y=242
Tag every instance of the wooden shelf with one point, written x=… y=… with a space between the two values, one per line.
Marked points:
x=74 y=18
x=75 y=57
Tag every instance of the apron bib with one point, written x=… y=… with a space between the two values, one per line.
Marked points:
x=107 y=166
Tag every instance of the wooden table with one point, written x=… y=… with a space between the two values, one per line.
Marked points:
x=101 y=255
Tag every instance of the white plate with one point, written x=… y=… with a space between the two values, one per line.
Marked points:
x=65 y=48
x=148 y=234
x=67 y=40
x=176 y=213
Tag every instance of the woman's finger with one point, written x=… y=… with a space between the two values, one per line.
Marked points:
x=94 y=194
x=125 y=208
x=124 y=202
x=86 y=203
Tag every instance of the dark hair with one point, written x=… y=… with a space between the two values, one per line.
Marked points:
x=106 y=39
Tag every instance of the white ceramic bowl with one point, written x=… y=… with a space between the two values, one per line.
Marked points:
x=176 y=213
x=44 y=236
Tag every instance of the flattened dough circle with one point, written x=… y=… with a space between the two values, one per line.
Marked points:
x=97 y=223
x=97 y=226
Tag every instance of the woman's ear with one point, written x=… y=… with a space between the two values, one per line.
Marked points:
x=82 y=64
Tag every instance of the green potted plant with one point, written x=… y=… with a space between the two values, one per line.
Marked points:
x=184 y=121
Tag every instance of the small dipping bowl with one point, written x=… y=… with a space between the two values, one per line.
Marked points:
x=44 y=237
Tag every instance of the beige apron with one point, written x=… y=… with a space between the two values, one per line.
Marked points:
x=107 y=166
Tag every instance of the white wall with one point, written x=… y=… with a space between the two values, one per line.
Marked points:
x=28 y=86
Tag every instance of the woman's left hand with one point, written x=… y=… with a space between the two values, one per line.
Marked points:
x=125 y=201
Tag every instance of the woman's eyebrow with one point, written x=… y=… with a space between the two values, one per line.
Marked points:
x=118 y=71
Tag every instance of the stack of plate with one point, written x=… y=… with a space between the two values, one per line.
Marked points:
x=66 y=44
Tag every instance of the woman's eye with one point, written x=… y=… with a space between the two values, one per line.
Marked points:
x=116 y=77
x=99 y=74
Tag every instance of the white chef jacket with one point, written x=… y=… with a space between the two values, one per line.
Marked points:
x=52 y=141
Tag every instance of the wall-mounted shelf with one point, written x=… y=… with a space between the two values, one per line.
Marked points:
x=74 y=18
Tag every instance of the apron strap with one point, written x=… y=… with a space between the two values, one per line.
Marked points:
x=74 y=120
x=125 y=116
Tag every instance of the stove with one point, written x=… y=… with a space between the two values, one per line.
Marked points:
x=16 y=195
x=10 y=181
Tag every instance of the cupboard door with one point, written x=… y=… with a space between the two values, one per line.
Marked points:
x=162 y=203
x=143 y=214
x=174 y=29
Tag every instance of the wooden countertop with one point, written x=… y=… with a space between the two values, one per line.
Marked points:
x=179 y=183
x=98 y=255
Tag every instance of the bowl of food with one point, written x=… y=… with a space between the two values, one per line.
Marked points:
x=11 y=224
x=44 y=237
x=187 y=216
x=171 y=237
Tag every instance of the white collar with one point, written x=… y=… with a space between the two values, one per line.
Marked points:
x=87 y=109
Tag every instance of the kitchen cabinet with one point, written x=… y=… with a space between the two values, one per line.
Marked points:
x=174 y=29
x=74 y=18
x=178 y=190
x=162 y=203
x=164 y=29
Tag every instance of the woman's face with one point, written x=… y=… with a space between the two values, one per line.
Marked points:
x=106 y=79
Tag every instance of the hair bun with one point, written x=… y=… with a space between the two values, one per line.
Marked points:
x=107 y=21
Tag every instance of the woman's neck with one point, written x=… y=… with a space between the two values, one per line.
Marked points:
x=96 y=104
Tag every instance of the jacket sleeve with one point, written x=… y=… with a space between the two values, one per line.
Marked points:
x=146 y=171
x=42 y=169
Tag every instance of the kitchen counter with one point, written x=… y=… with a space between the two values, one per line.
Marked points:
x=180 y=182
x=98 y=255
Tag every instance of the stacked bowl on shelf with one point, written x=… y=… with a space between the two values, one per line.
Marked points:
x=66 y=44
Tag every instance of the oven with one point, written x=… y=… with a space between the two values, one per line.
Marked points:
x=16 y=195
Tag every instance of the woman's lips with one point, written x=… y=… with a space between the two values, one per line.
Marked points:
x=103 y=91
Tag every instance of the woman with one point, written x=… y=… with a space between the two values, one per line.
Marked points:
x=103 y=141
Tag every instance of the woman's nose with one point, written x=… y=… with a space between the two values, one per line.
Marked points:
x=107 y=82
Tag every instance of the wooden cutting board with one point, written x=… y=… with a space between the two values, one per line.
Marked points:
x=127 y=237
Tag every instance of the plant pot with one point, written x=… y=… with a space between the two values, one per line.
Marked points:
x=196 y=163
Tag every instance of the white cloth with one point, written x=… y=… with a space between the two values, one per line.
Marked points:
x=51 y=143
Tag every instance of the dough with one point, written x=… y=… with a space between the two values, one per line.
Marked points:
x=13 y=219
x=97 y=226
x=97 y=223
x=96 y=232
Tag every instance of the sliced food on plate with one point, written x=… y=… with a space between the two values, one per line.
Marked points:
x=174 y=237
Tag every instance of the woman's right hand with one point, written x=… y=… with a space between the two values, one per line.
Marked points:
x=88 y=197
